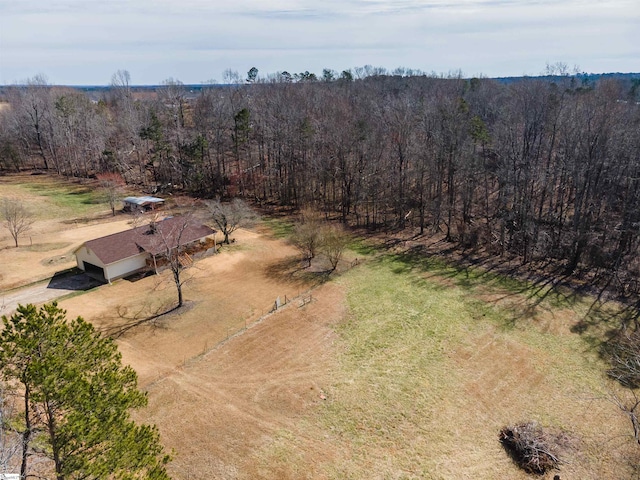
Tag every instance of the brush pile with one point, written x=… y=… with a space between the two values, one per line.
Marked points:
x=531 y=447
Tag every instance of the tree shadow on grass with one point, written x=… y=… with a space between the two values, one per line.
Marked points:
x=293 y=270
x=519 y=293
x=469 y=268
x=614 y=332
x=610 y=325
x=132 y=319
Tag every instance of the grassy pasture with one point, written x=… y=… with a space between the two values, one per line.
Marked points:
x=54 y=198
x=429 y=368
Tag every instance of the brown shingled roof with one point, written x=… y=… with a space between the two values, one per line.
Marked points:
x=169 y=233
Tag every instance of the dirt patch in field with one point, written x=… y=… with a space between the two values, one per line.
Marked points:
x=226 y=378
x=248 y=393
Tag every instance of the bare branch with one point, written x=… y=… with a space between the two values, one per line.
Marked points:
x=113 y=184
x=17 y=218
x=228 y=217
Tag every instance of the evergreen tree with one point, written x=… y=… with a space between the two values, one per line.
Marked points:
x=77 y=396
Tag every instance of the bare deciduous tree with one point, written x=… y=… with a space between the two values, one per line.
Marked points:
x=228 y=217
x=314 y=235
x=623 y=353
x=334 y=243
x=307 y=236
x=136 y=218
x=172 y=251
x=112 y=184
x=170 y=238
x=630 y=406
x=17 y=217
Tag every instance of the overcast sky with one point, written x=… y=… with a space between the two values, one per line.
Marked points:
x=83 y=42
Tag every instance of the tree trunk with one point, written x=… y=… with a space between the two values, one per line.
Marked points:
x=53 y=439
x=176 y=267
x=26 y=435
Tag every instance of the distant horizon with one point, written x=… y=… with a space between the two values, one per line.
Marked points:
x=84 y=42
x=390 y=73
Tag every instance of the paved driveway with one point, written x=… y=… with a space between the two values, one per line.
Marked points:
x=45 y=291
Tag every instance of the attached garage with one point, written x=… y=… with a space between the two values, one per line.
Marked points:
x=89 y=262
x=94 y=271
x=99 y=258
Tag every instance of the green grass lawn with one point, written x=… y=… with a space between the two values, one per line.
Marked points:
x=430 y=371
x=70 y=198
x=55 y=197
x=279 y=228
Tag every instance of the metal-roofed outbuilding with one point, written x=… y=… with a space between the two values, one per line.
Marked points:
x=142 y=203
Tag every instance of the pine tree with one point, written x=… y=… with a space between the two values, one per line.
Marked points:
x=77 y=395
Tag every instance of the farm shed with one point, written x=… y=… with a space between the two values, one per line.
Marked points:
x=142 y=204
x=121 y=254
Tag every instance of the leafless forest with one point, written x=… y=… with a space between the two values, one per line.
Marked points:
x=546 y=171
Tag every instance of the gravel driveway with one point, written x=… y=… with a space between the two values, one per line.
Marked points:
x=45 y=291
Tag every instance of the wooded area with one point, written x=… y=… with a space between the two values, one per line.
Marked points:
x=545 y=170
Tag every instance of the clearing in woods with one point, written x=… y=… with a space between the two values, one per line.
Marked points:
x=393 y=370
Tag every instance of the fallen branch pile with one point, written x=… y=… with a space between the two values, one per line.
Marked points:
x=531 y=447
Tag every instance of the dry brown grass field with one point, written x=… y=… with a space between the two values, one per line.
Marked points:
x=390 y=372
x=65 y=215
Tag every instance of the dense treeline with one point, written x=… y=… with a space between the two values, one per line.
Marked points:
x=540 y=169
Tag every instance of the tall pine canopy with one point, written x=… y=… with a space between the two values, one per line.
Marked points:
x=77 y=398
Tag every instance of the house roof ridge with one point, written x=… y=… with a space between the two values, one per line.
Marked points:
x=127 y=243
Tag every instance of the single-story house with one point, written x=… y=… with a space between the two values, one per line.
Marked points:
x=141 y=204
x=124 y=253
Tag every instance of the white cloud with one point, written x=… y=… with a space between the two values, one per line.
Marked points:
x=84 y=41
